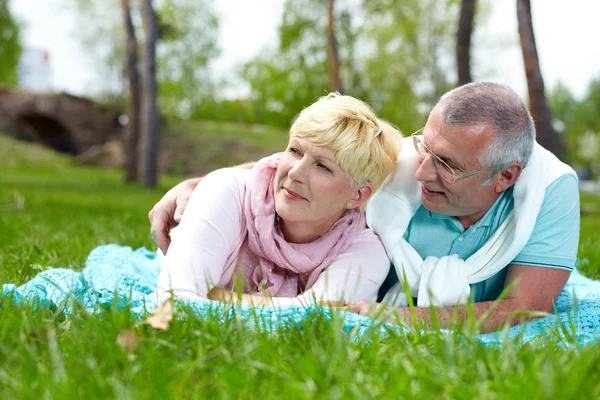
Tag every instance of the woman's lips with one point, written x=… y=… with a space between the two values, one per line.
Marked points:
x=292 y=195
x=430 y=193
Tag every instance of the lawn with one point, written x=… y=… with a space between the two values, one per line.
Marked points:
x=53 y=213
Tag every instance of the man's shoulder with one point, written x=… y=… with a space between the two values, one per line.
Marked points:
x=561 y=195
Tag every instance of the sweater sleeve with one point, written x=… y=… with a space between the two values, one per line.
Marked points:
x=354 y=275
x=207 y=237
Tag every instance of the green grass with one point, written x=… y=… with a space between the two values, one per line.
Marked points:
x=589 y=237
x=53 y=213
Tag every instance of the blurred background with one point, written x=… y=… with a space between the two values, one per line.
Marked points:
x=186 y=86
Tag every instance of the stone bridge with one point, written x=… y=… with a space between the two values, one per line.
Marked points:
x=61 y=121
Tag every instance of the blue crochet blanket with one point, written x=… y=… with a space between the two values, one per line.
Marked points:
x=116 y=273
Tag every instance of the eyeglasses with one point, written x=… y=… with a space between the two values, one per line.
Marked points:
x=443 y=169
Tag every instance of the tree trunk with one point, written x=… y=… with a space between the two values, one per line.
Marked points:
x=463 y=41
x=334 y=63
x=535 y=83
x=149 y=116
x=133 y=126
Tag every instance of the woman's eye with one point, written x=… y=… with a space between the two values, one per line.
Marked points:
x=324 y=167
x=294 y=150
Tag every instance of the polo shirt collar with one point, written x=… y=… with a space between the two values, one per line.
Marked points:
x=487 y=218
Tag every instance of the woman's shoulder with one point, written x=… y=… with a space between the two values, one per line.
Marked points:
x=227 y=177
x=366 y=239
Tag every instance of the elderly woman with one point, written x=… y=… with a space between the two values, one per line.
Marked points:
x=292 y=229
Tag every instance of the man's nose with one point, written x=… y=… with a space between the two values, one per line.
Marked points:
x=426 y=171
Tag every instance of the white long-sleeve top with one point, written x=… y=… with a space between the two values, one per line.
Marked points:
x=205 y=247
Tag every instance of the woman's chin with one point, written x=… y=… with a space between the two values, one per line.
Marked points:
x=288 y=212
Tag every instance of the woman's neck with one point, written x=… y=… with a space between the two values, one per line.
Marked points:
x=305 y=232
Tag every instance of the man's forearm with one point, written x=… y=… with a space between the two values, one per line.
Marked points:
x=505 y=311
x=193 y=182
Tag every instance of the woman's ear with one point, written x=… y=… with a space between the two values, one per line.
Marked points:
x=360 y=197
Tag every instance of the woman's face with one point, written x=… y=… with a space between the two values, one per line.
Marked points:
x=310 y=187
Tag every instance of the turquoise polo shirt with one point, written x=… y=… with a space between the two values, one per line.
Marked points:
x=553 y=242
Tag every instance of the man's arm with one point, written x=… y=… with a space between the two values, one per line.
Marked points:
x=167 y=213
x=535 y=289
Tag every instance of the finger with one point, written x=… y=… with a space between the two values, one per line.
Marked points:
x=357 y=308
x=160 y=230
x=150 y=214
x=162 y=240
x=181 y=204
x=178 y=215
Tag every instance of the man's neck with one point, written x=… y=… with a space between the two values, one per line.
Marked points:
x=469 y=220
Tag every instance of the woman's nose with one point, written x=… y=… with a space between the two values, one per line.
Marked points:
x=298 y=170
x=426 y=171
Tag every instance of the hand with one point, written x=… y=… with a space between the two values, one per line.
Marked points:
x=167 y=213
x=221 y=294
x=241 y=299
x=333 y=304
x=375 y=310
x=365 y=307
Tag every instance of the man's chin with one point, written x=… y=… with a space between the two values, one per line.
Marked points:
x=432 y=204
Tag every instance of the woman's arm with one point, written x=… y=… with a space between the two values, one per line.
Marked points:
x=203 y=243
x=354 y=275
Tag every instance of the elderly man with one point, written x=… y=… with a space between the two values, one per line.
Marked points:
x=474 y=206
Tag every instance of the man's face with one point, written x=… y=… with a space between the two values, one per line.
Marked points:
x=459 y=148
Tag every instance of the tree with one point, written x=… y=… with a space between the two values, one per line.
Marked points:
x=463 y=41
x=396 y=55
x=10 y=47
x=149 y=116
x=334 y=64
x=133 y=126
x=411 y=59
x=295 y=73
x=188 y=32
x=99 y=30
x=535 y=82
x=576 y=120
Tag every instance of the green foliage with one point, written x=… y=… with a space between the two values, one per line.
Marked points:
x=54 y=213
x=10 y=46
x=294 y=74
x=579 y=124
x=411 y=63
x=395 y=55
x=186 y=46
x=100 y=32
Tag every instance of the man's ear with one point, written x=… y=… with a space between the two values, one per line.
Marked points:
x=360 y=197
x=508 y=176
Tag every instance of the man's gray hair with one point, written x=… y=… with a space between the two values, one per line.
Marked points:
x=498 y=106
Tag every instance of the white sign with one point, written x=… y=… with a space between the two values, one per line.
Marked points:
x=34 y=70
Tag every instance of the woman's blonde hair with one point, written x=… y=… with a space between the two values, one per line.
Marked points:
x=365 y=146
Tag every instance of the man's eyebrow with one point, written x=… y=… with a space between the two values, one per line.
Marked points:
x=451 y=162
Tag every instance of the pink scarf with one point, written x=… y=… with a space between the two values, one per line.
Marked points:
x=272 y=266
